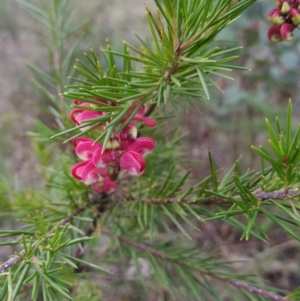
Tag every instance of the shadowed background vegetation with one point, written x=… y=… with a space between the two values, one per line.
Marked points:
x=227 y=124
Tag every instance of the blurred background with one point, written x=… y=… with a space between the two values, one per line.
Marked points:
x=228 y=124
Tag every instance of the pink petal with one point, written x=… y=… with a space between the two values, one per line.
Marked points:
x=142 y=146
x=133 y=163
x=295 y=16
x=296 y=4
x=78 y=168
x=102 y=160
x=91 y=174
x=286 y=31
x=74 y=114
x=85 y=115
x=86 y=149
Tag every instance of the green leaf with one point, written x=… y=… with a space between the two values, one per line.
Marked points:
x=214 y=179
x=20 y=281
x=203 y=83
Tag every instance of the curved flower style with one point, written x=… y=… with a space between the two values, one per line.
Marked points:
x=139 y=116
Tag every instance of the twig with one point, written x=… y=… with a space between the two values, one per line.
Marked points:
x=185 y=201
x=252 y=289
x=135 y=245
x=262 y=196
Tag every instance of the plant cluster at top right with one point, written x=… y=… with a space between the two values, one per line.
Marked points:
x=285 y=19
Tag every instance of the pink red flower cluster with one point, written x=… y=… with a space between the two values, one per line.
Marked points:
x=124 y=150
x=285 y=18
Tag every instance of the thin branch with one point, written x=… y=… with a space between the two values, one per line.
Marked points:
x=262 y=196
x=135 y=245
x=252 y=289
x=276 y=195
x=186 y=201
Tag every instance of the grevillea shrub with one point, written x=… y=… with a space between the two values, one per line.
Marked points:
x=110 y=223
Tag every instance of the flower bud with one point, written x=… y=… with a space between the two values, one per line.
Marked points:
x=286 y=31
x=285 y=7
x=277 y=17
x=270 y=14
x=296 y=4
x=274 y=34
x=295 y=16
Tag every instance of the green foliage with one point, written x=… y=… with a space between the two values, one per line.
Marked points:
x=71 y=241
x=180 y=62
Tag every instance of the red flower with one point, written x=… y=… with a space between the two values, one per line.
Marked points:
x=124 y=150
